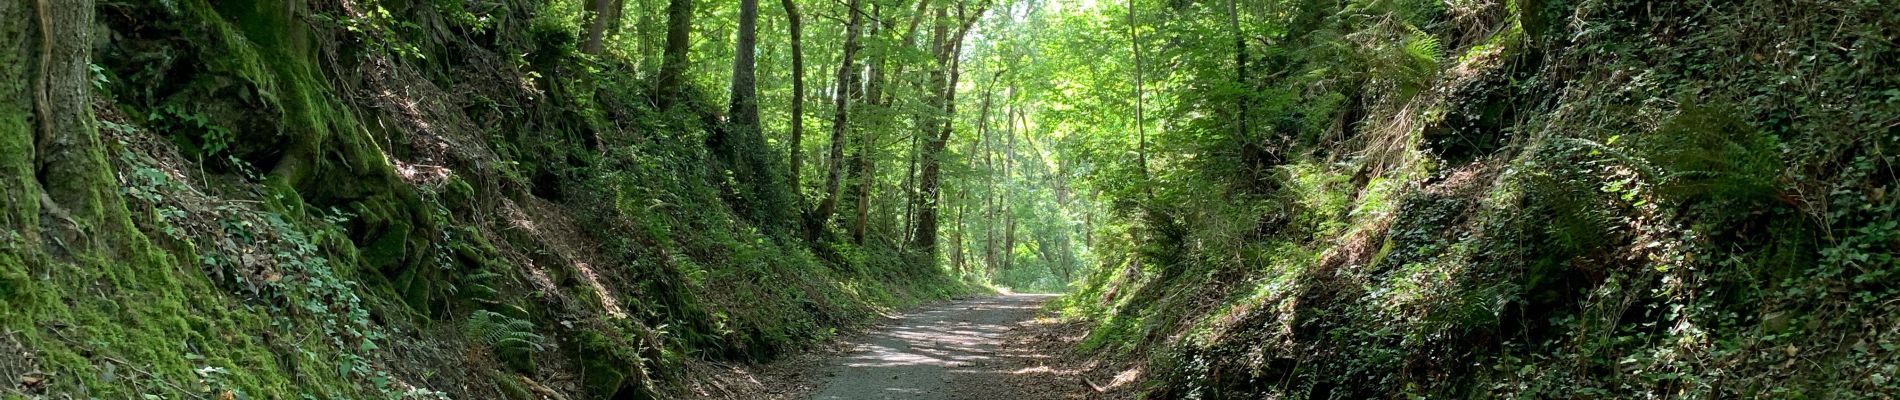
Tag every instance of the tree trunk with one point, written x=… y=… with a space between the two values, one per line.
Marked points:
x=864 y=165
x=798 y=97
x=929 y=175
x=910 y=189
x=1240 y=73
x=57 y=182
x=673 y=63
x=910 y=169
x=1141 y=136
x=839 y=121
x=1009 y=240
x=740 y=145
x=923 y=235
x=867 y=172
x=956 y=234
x=606 y=18
x=744 y=107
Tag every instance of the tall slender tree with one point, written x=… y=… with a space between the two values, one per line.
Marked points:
x=910 y=169
x=1141 y=135
x=798 y=95
x=1241 y=96
x=944 y=79
x=864 y=160
x=840 y=119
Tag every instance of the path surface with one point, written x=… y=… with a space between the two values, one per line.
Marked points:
x=949 y=351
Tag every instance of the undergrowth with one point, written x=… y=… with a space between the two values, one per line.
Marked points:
x=1596 y=199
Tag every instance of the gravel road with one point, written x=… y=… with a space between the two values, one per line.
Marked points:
x=948 y=351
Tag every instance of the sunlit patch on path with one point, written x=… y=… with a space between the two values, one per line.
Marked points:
x=950 y=351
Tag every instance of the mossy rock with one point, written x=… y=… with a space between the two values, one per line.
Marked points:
x=605 y=365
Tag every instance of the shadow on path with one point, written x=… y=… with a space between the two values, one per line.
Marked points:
x=949 y=351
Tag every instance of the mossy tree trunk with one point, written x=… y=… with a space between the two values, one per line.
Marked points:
x=19 y=180
x=76 y=199
x=741 y=145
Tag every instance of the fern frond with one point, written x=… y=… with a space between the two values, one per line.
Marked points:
x=502 y=331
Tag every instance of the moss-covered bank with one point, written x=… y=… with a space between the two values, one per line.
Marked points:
x=375 y=199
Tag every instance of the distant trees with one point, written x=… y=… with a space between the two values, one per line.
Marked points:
x=891 y=99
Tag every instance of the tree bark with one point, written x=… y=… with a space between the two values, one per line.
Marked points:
x=744 y=106
x=673 y=63
x=945 y=81
x=864 y=164
x=606 y=18
x=798 y=97
x=646 y=25
x=64 y=188
x=19 y=76
x=1241 y=98
x=839 y=121
x=1009 y=165
x=740 y=145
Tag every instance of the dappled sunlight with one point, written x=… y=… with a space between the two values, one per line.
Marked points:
x=945 y=349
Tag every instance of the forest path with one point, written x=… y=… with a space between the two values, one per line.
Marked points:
x=954 y=350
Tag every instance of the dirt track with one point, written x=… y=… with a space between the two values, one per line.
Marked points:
x=949 y=351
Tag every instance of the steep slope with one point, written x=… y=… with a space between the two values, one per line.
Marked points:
x=378 y=199
x=1522 y=199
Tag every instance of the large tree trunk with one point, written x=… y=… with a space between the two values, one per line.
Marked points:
x=673 y=63
x=606 y=18
x=923 y=232
x=798 y=97
x=19 y=78
x=847 y=69
x=55 y=178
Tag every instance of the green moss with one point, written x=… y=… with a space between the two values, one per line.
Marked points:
x=604 y=364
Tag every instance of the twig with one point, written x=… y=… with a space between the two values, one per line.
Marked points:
x=167 y=383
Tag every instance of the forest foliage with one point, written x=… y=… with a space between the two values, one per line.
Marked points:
x=1478 y=199
x=1245 y=198
x=466 y=199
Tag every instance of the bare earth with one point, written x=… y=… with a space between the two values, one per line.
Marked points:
x=950 y=351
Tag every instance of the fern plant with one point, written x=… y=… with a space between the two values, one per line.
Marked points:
x=501 y=331
x=512 y=339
